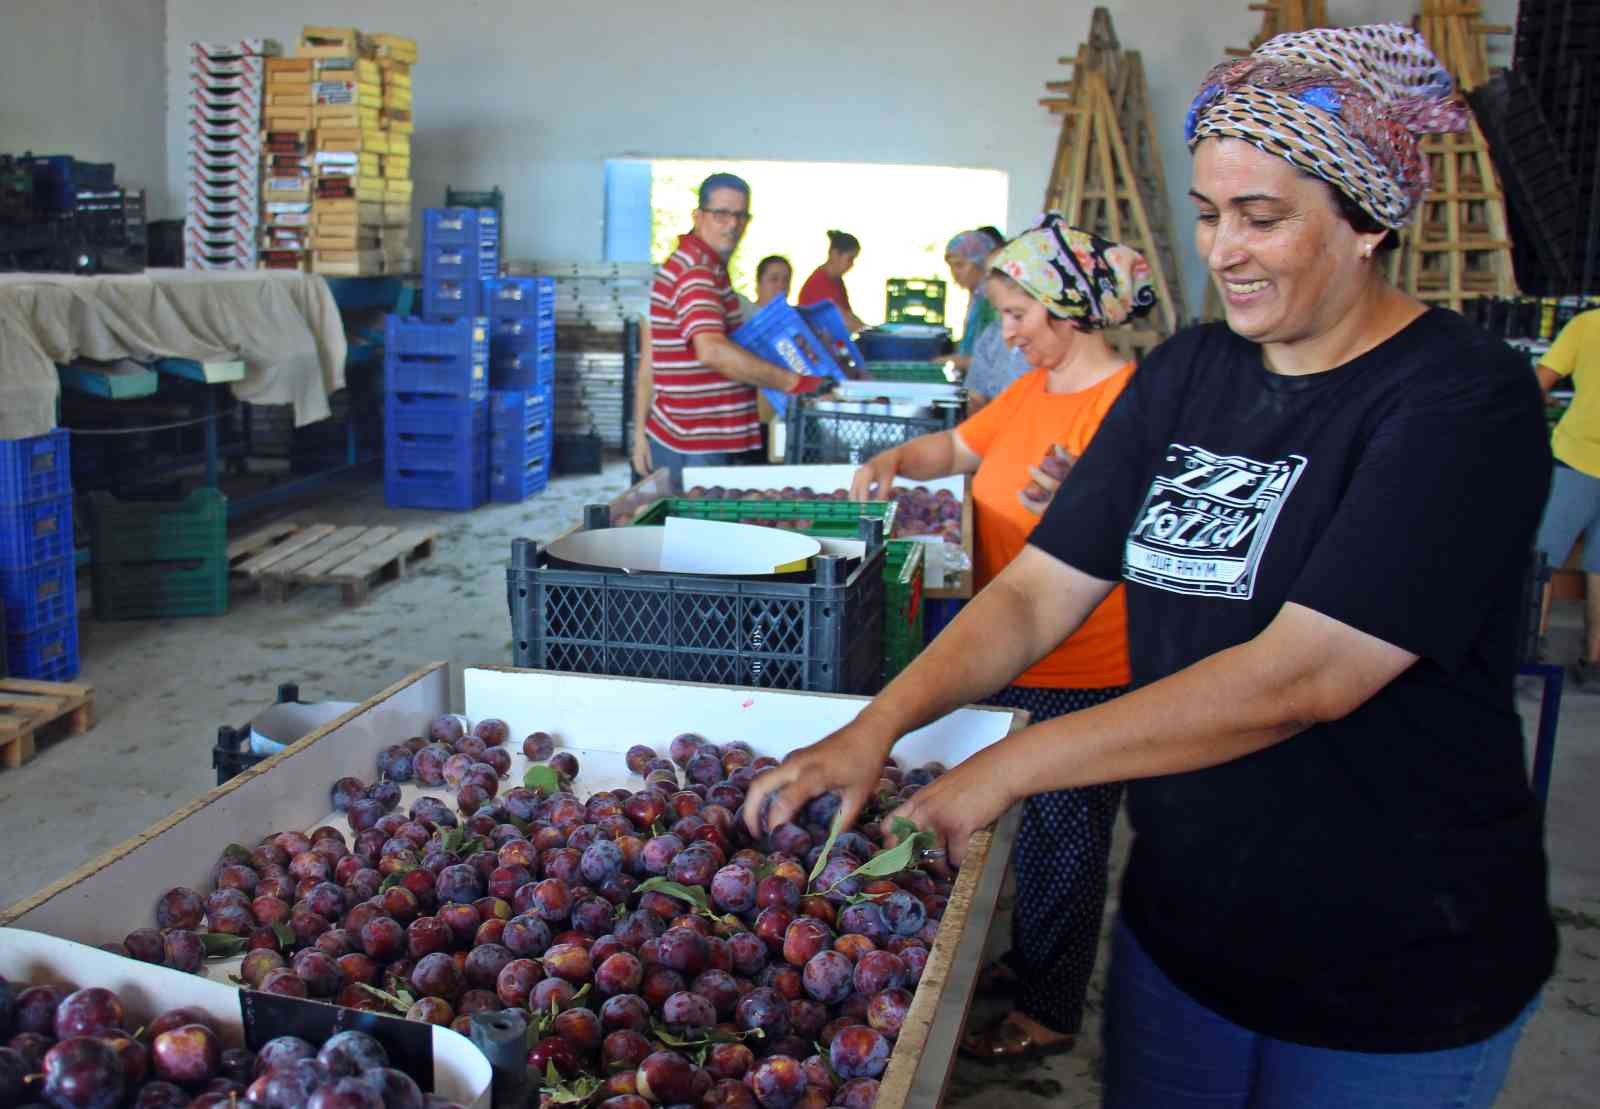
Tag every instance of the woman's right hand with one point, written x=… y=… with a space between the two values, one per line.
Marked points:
x=639 y=457
x=877 y=473
x=849 y=762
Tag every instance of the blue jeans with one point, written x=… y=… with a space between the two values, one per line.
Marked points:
x=674 y=461
x=1573 y=510
x=1166 y=1051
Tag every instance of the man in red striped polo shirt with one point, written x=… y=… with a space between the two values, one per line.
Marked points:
x=703 y=402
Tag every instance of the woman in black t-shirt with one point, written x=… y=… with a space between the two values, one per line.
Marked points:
x=1322 y=510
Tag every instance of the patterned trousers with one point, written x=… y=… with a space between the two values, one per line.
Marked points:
x=1061 y=859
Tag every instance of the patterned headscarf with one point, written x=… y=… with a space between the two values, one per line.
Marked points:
x=1078 y=276
x=974 y=246
x=1348 y=105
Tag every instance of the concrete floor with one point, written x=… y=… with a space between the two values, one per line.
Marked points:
x=163 y=687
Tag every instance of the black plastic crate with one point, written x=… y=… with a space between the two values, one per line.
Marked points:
x=822 y=633
x=576 y=454
x=816 y=436
x=232 y=755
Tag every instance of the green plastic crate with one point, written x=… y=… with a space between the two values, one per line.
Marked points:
x=153 y=559
x=155 y=590
x=915 y=300
x=918 y=373
x=156 y=531
x=829 y=519
x=902 y=605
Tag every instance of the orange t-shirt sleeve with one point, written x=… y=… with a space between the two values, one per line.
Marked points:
x=980 y=431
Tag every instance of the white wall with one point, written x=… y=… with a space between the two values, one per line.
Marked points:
x=535 y=95
x=87 y=77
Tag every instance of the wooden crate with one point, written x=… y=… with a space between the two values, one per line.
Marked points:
x=598 y=718
x=31 y=712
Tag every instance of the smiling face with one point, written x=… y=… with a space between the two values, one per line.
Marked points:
x=1027 y=326
x=1288 y=266
x=720 y=225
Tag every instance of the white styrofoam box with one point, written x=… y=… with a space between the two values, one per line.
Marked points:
x=461 y=1073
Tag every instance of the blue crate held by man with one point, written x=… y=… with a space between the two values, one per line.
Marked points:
x=810 y=340
x=442 y=358
x=35 y=469
x=520 y=298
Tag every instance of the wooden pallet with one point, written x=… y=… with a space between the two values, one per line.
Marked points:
x=247 y=546
x=353 y=558
x=31 y=711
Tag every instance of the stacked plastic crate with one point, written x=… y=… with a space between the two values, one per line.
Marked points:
x=436 y=413
x=460 y=248
x=286 y=179
x=522 y=378
x=222 y=212
x=38 y=573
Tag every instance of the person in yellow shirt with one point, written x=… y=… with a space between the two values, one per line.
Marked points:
x=1574 y=506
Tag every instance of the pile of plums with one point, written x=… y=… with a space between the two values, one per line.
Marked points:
x=919 y=510
x=70 y=1049
x=656 y=948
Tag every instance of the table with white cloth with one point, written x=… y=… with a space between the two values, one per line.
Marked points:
x=282 y=324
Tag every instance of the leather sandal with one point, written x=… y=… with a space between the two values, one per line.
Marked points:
x=1006 y=1041
x=997 y=980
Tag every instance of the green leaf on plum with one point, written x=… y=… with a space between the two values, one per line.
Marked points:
x=452 y=839
x=284 y=933
x=694 y=895
x=543 y=780
x=827 y=846
x=234 y=853
x=393 y=1002
x=900 y=827
x=902 y=856
x=220 y=945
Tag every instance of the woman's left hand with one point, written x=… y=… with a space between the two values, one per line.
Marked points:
x=963 y=800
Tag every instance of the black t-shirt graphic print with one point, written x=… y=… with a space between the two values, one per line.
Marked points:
x=1376 y=883
x=1206 y=520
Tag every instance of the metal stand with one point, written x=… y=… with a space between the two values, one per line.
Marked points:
x=1544 y=747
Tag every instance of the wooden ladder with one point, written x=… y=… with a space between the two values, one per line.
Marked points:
x=1107 y=176
x=1459 y=247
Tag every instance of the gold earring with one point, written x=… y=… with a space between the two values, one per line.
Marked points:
x=1366 y=251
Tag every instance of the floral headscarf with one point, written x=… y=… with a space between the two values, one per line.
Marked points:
x=1077 y=275
x=1348 y=105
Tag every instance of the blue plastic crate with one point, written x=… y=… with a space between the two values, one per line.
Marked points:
x=520 y=409
x=449 y=377
x=828 y=323
x=404 y=487
x=47 y=654
x=520 y=298
x=451 y=300
x=40 y=595
x=424 y=437
x=35 y=469
x=520 y=334
x=412 y=337
x=801 y=340
x=903 y=343
x=513 y=484
x=459 y=227
x=519 y=432
x=457 y=263
x=35 y=533
x=529 y=370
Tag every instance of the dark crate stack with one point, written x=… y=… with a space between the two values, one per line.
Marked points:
x=522 y=377
x=822 y=632
x=153 y=559
x=38 y=574
x=1542 y=118
x=460 y=248
x=818 y=431
x=436 y=413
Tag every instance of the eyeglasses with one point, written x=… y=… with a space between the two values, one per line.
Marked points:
x=728 y=215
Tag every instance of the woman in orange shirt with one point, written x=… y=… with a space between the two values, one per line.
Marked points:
x=1056 y=289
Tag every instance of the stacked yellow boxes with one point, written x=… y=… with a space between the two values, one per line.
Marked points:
x=286 y=173
x=396 y=56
